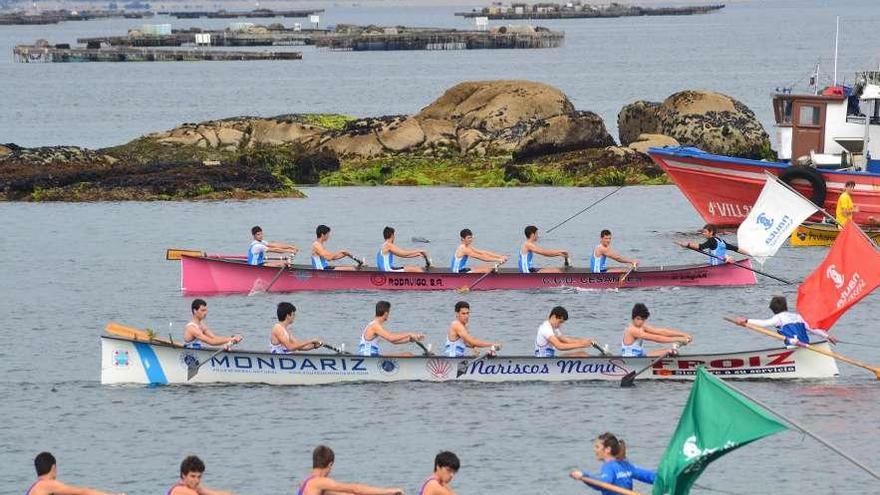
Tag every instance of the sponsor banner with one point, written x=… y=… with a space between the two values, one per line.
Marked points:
x=775 y=215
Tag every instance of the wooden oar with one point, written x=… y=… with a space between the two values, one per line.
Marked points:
x=625 y=275
x=425 y=351
x=607 y=486
x=133 y=333
x=360 y=263
x=462 y=290
x=464 y=365
x=629 y=379
x=427 y=260
x=192 y=369
x=600 y=349
x=280 y=271
x=337 y=350
x=736 y=263
x=832 y=354
x=175 y=254
x=419 y=239
x=594 y=203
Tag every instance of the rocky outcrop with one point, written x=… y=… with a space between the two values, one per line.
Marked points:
x=645 y=141
x=711 y=121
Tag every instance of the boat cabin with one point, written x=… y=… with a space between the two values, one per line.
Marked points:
x=833 y=129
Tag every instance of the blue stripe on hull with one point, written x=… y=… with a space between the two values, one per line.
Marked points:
x=151 y=364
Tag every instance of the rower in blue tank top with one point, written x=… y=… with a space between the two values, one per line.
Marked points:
x=446 y=466
x=530 y=248
x=369 y=343
x=196 y=334
x=459 y=338
x=321 y=256
x=258 y=248
x=386 y=254
x=714 y=246
x=616 y=469
x=639 y=330
x=467 y=250
x=601 y=253
x=789 y=324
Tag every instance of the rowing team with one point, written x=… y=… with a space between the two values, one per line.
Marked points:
x=616 y=470
x=321 y=256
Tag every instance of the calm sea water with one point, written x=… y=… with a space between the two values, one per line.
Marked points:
x=745 y=50
x=67 y=269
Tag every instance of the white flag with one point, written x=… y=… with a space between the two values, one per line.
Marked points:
x=773 y=218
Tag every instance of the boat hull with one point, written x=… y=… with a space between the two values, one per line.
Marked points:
x=821 y=234
x=723 y=189
x=126 y=361
x=211 y=275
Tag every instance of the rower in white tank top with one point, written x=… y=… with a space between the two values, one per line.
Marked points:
x=279 y=348
x=368 y=347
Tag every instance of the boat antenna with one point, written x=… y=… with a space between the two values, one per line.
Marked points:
x=836 y=38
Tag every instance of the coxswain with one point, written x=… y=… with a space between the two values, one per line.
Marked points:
x=386 y=254
x=459 y=338
x=466 y=250
x=196 y=334
x=616 y=470
x=375 y=330
x=319 y=482
x=639 y=331
x=321 y=257
x=715 y=246
x=530 y=248
x=446 y=465
x=191 y=471
x=47 y=480
x=789 y=324
x=550 y=340
x=256 y=254
x=603 y=251
x=280 y=339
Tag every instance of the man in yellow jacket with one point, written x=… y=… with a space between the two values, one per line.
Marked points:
x=845 y=206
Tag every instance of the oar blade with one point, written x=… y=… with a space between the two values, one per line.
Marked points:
x=176 y=254
x=192 y=370
x=463 y=290
x=628 y=380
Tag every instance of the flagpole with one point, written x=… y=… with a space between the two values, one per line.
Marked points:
x=803 y=430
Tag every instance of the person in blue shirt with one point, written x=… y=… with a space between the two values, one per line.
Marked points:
x=603 y=251
x=616 y=469
x=714 y=245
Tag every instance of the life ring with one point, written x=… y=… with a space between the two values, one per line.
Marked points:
x=817 y=182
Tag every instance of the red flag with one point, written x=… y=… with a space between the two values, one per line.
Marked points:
x=849 y=272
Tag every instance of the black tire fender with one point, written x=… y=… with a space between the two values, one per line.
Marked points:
x=817 y=182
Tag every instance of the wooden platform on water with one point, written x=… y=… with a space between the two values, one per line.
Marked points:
x=219 y=37
x=578 y=10
x=224 y=14
x=35 y=53
x=441 y=39
x=56 y=16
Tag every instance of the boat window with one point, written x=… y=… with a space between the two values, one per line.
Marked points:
x=782 y=110
x=808 y=115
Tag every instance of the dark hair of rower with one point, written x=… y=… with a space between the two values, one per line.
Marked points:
x=255 y=229
x=387 y=232
x=611 y=442
x=191 y=464
x=640 y=311
x=604 y=233
x=448 y=460
x=621 y=456
x=465 y=233
x=322 y=457
x=43 y=463
x=778 y=304
x=559 y=312
x=460 y=305
x=850 y=183
x=321 y=230
x=382 y=308
x=284 y=310
x=531 y=229
x=712 y=229
x=197 y=303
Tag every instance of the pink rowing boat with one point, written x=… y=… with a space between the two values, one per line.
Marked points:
x=219 y=275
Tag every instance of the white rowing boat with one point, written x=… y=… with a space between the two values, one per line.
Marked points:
x=126 y=360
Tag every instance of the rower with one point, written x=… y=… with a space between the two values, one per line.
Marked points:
x=196 y=334
x=459 y=338
x=446 y=465
x=789 y=324
x=257 y=251
x=715 y=245
x=616 y=470
x=603 y=251
x=843 y=212
x=550 y=339
x=321 y=257
x=280 y=340
x=47 y=480
x=385 y=256
x=530 y=248
x=638 y=331
x=466 y=250
x=319 y=482
x=191 y=471
x=369 y=344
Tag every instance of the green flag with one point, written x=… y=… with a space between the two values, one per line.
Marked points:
x=715 y=421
